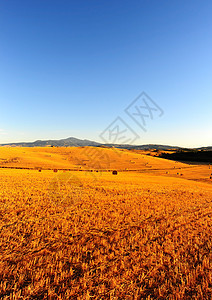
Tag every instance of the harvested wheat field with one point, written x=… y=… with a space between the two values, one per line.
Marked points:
x=83 y=233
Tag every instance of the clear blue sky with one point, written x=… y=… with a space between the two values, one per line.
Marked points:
x=69 y=68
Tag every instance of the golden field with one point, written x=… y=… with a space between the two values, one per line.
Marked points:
x=81 y=234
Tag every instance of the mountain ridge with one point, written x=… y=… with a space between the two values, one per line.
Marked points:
x=75 y=142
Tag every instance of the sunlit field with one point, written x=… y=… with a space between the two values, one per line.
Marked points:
x=70 y=229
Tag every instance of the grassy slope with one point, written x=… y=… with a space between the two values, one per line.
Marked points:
x=91 y=158
x=86 y=157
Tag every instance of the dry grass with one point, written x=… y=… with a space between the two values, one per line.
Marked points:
x=79 y=157
x=70 y=235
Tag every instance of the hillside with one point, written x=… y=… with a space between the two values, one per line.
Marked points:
x=99 y=159
x=79 y=157
x=192 y=156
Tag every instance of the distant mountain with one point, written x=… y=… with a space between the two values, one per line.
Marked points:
x=69 y=142
x=209 y=148
x=149 y=147
x=74 y=142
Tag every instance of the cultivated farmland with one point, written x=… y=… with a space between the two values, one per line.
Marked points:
x=81 y=234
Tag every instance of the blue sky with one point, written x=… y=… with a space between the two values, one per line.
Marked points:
x=69 y=68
